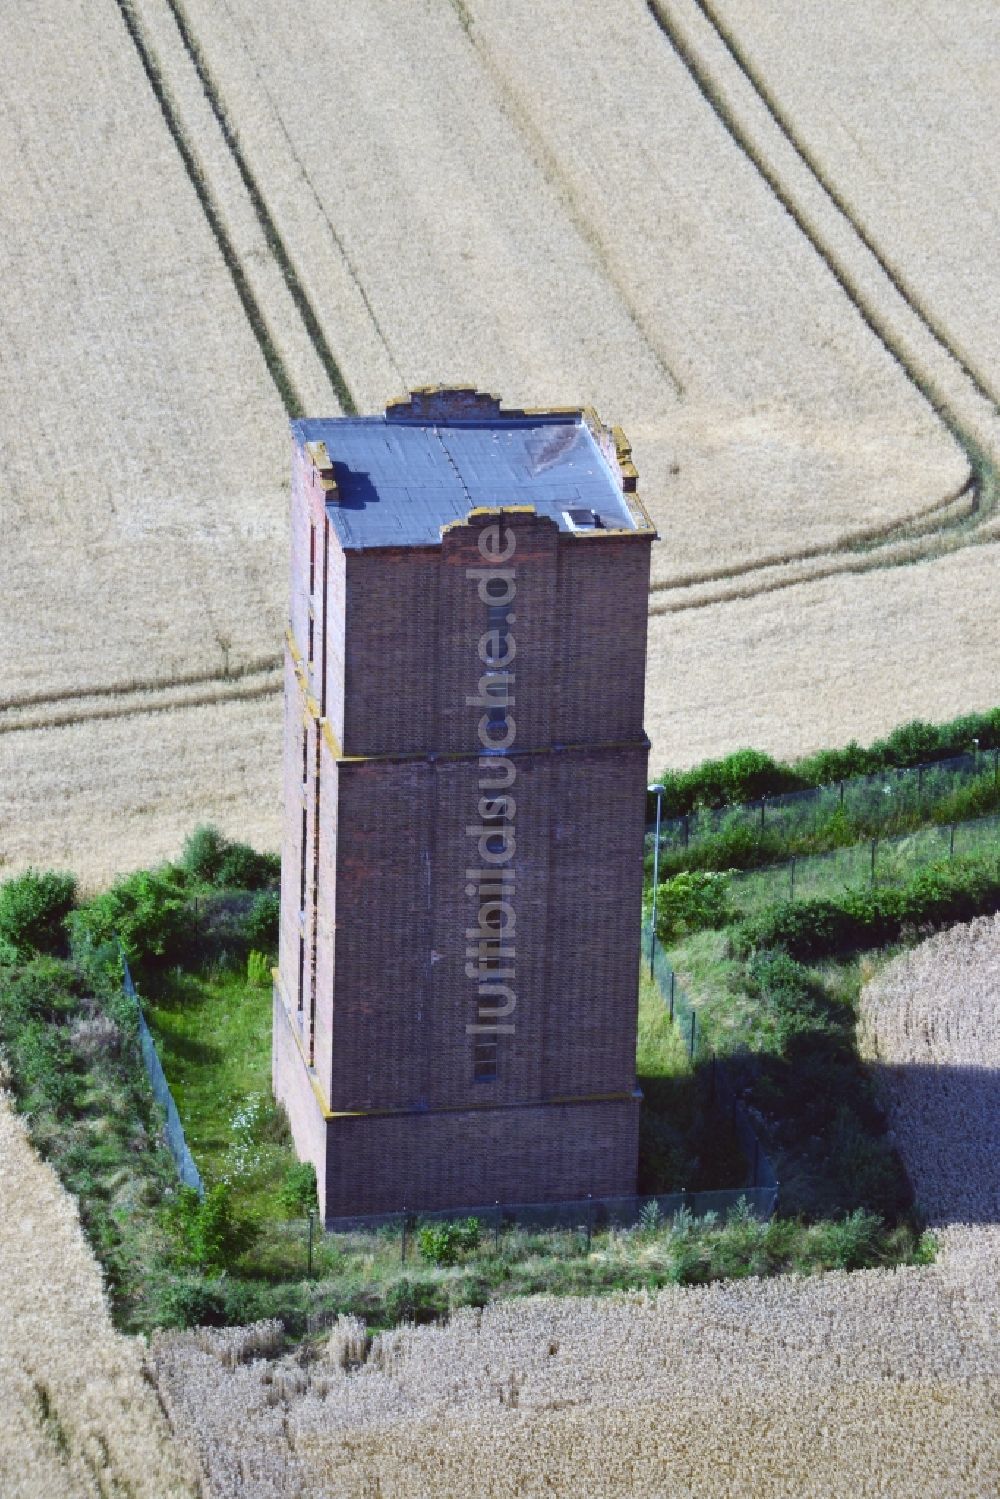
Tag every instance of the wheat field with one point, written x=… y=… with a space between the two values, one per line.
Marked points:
x=214 y=217
x=899 y=105
x=79 y=1419
x=932 y=1030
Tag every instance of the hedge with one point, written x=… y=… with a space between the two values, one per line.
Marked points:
x=748 y=774
x=810 y=930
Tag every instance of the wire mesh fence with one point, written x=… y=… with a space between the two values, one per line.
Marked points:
x=876 y=861
x=721 y=1079
x=587 y=1216
x=885 y=801
x=184 y=1161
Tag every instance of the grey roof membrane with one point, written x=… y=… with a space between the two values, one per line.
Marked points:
x=399 y=482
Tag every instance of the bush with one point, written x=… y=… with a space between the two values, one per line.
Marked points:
x=211 y=858
x=748 y=775
x=298 y=1190
x=244 y=869
x=260 y=926
x=203 y=853
x=146 y=912
x=445 y=1243
x=33 y=912
x=850 y=1243
x=744 y=776
x=413 y=1301
x=791 y=1001
x=812 y=929
x=207 y=1232
x=691 y=902
x=42 y=1062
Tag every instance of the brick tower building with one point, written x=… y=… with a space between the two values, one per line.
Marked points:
x=465 y=763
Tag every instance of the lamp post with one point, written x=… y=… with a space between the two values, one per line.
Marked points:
x=656 y=790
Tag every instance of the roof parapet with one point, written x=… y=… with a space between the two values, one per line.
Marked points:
x=323 y=467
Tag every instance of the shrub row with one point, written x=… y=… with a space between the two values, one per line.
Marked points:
x=809 y=930
x=153 y=912
x=748 y=774
x=740 y=842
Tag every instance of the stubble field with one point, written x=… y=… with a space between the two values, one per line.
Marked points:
x=215 y=217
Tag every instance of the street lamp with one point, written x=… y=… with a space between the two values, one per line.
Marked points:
x=656 y=790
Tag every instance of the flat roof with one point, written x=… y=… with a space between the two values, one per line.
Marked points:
x=403 y=476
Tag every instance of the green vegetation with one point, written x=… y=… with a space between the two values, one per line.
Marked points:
x=445 y=1243
x=33 y=912
x=747 y=775
x=938 y=895
x=202 y=953
x=775 y=982
x=211 y=859
x=683 y=1142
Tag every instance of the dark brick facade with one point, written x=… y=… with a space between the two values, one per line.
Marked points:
x=373 y=1055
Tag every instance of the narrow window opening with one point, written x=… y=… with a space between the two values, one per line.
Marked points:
x=484 y=1061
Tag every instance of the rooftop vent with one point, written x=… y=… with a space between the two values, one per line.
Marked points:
x=583 y=520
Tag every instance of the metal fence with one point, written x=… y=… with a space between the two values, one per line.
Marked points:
x=722 y=1080
x=876 y=861
x=178 y=1146
x=880 y=800
x=585 y=1215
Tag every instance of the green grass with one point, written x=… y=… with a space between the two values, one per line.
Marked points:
x=213 y=1034
x=828 y=875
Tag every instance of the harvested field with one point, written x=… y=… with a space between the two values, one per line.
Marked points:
x=142 y=477
x=137 y=784
x=79 y=1418
x=849 y=656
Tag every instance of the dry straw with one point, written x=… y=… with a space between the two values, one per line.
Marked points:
x=78 y=1416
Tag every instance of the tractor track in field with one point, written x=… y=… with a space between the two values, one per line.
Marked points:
x=252 y=309
x=58 y=710
x=953 y=521
x=893 y=274
x=262 y=320
x=917 y=538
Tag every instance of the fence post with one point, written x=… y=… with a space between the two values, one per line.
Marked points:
x=694 y=1019
x=763 y=804
x=951 y=843
x=673 y=978
x=656 y=880
x=841 y=793
x=687 y=830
